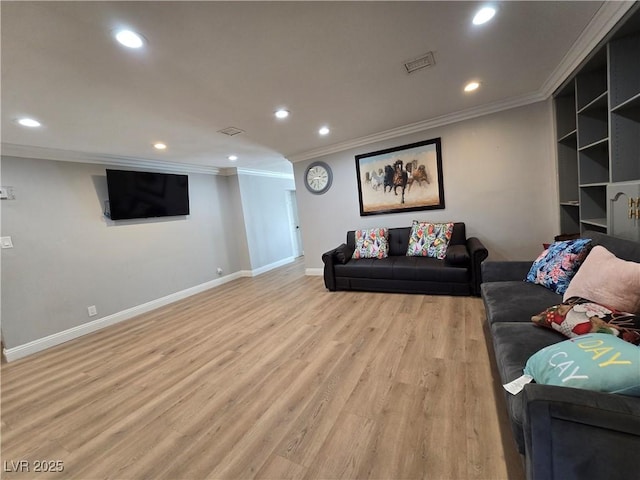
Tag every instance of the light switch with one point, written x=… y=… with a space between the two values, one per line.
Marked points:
x=6 y=242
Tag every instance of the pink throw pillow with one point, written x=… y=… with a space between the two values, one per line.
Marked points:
x=606 y=279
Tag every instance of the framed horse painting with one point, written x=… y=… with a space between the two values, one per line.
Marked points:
x=401 y=179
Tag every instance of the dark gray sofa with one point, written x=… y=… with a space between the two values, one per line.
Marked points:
x=563 y=433
x=458 y=274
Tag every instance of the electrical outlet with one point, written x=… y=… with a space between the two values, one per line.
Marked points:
x=6 y=193
x=219 y=270
x=6 y=242
x=92 y=310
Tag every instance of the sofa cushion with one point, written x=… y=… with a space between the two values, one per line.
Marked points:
x=366 y=268
x=578 y=316
x=514 y=343
x=429 y=239
x=555 y=267
x=596 y=361
x=427 y=268
x=398 y=241
x=609 y=280
x=403 y=268
x=516 y=301
x=344 y=253
x=459 y=234
x=620 y=247
x=371 y=243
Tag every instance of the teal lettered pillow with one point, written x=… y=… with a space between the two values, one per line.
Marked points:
x=596 y=361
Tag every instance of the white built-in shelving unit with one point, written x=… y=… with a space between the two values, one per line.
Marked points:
x=598 y=138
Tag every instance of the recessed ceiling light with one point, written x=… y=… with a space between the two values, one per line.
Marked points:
x=29 y=122
x=233 y=158
x=129 y=39
x=160 y=146
x=282 y=113
x=324 y=131
x=484 y=15
x=471 y=86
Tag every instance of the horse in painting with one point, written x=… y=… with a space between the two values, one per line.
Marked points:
x=400 y=178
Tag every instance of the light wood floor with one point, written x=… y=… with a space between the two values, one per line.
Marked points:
x=267 y=377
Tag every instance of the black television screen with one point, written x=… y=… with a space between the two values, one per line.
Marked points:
x=145 y=194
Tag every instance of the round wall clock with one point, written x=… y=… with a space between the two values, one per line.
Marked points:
x=318 y=177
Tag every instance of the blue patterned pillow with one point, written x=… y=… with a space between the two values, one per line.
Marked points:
x=556 y=266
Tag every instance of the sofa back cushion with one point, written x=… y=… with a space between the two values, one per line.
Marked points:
x=621 y=248
x=399 y=238
x=459 y=235
x=398 y=241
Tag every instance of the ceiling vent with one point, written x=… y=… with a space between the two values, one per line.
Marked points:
x=421 y=62
x=231 y=131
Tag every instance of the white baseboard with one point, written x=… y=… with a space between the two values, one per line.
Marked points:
x=271 y=266
x=314 y=272
x=40 y=344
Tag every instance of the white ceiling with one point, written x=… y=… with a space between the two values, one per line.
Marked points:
x=211 y=65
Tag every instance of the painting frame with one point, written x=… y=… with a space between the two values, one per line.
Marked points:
x=421 y=163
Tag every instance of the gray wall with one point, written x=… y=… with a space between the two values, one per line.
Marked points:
x=68 y=256
x=266 y=218
x=499 y=178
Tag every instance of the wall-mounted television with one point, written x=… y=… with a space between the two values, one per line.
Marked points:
x=146 y=194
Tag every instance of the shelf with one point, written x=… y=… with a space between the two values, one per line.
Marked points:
x=632 y=103
x=598 y=222
x=593 y=161
x=598 y=103
x=597 y=144
x=569 y=218
x=597 y=113
x=591 y=81
x=624 y=68
x=625 y=145
x=593 y=128
x=569 y=138
x=565 y=109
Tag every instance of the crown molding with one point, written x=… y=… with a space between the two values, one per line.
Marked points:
x=420 y=126
x=258 y=173
x=24 y=151
x=600 y=26
x=604 y=20
x=602 y=23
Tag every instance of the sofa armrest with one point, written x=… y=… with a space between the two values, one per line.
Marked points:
x=580 y=434
x=505 y=271
x=478 y=253
x=329 y=259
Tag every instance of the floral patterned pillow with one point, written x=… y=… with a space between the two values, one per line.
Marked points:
x=579 y=316
x=371 y=243
x=429 y=239
x=556 y=266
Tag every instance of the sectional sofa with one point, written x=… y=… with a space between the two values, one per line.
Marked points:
x=563 y=433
